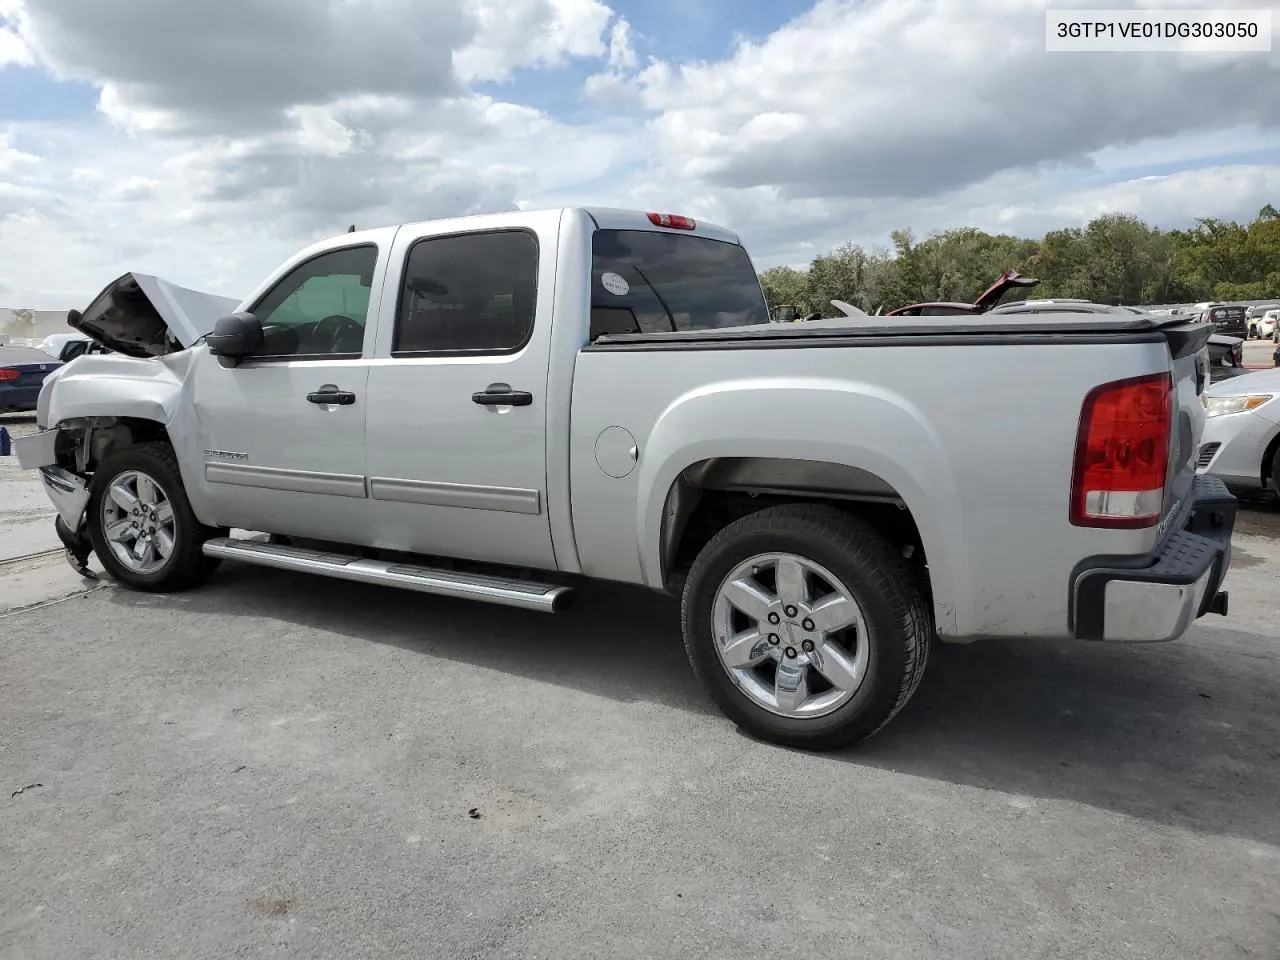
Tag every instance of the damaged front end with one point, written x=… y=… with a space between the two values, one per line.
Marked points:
x=62 y=457
x=146 y=322
x=67 y=491
x=140 y=315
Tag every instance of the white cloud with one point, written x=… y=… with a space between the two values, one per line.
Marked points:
x=227 y=137
x=903 y=98
x=12 y=49
x=532 y=33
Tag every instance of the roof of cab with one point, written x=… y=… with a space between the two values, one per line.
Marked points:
x=615 y=218
x=605 y=218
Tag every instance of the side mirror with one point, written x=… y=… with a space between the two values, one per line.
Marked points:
x=235 y=337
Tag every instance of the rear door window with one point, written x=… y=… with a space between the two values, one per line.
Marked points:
x=470 y=293
x=644 y=281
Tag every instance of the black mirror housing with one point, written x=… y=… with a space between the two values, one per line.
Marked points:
x=235 y=336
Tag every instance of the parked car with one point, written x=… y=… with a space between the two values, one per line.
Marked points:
x=1226 y=357
x=54 y=343
x=496 y=407
x=1009 y=280
x=1257 y=313
x=1241 y=442
x=78 y=348
x=22 y=373
x=1228 y=318
x=1267 y=326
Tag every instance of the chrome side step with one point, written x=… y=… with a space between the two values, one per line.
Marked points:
x=525 y=594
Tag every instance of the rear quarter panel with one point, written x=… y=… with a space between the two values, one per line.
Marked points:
x=977 y=439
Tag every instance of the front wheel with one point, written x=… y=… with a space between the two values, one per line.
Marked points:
x=806 y=626
x=141 y=524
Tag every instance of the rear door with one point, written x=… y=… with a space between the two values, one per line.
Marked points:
x=457 y=393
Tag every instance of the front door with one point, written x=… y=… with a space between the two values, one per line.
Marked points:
x=282 y=434
x=457 y=396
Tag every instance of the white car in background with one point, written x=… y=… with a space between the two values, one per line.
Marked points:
x=1267 y=326
x=1241 y=442
x=54 y=342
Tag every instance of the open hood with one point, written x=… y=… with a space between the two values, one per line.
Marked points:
x=990 y=297
x=1005 y=282
x=144 y=316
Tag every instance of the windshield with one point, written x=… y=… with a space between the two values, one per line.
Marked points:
x=643 y=281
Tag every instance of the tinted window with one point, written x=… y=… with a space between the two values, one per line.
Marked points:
x=643 y=281
x=473 y=293
x=320 y=308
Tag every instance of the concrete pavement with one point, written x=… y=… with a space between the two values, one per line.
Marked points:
x=282 y=766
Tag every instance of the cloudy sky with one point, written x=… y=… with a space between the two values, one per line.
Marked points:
x=205 y=142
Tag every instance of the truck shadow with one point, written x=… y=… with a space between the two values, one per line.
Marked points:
x=1186 y=734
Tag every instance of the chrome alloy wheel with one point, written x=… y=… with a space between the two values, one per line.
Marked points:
x=138 y=521
x=790 y=635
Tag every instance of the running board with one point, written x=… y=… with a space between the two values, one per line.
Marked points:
x=525 y=594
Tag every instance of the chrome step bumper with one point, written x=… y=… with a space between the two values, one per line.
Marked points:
x=525 y=594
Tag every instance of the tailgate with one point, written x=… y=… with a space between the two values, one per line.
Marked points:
x=1188 y=348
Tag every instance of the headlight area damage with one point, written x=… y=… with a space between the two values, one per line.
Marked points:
x=138 y=317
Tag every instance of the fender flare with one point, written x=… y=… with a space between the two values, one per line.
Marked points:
x=844 y=422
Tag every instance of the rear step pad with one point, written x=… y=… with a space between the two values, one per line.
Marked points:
x=445 y=583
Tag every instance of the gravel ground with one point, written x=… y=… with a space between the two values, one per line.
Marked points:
x=281 y=766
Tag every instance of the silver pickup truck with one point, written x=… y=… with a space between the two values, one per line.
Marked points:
x=497 y=407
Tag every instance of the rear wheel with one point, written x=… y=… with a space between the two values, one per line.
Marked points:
x=806 y=626
x=141 y=524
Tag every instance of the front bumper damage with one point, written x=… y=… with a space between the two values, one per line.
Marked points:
x=1159 y=599
x=68 y=492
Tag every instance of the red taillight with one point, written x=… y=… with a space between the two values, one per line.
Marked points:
x=1237 y=355
x=1122 y=454
x=672 y=220
x=9 y=375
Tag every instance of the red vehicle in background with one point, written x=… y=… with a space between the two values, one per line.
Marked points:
x=943 y=308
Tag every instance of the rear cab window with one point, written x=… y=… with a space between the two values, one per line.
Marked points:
x=646 y=281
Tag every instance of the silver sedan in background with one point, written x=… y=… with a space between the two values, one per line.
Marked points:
x=1241 y=442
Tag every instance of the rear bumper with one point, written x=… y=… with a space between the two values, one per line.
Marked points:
x=1159 y=599
x=19 y=398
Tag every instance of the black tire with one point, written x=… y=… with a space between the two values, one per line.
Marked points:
x=897 y=613
x=1275 y=473
x=187 y=565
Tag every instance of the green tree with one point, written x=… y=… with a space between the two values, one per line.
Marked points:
x=1115 y=258
x=785 y=285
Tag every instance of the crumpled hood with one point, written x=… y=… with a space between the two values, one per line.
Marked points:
x=141 y=315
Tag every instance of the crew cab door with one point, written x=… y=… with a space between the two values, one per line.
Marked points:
x=282 y=434
x=457 y=406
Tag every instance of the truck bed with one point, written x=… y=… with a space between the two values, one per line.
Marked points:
x=906 y=402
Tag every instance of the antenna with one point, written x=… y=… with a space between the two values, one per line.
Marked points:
x=351 y=229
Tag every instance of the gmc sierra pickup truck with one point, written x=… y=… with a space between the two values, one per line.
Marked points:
x=498 y=407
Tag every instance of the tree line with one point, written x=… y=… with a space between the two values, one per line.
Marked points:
x=1115 y=258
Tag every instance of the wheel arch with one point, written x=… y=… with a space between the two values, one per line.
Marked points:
x=1269 y=460
x=706 y=494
